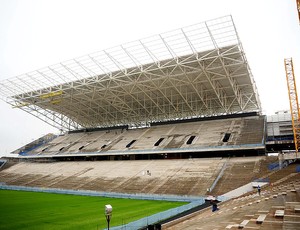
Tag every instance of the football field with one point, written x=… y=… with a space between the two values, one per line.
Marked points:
x=34 y=210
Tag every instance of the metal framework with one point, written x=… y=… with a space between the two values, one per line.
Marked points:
x=293 y=97
x=196 y=71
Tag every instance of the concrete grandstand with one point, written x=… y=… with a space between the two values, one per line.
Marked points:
x=173 y=109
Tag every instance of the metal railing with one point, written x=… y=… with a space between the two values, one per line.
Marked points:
x=137 y=196
x=219 y=176
x=153 y=219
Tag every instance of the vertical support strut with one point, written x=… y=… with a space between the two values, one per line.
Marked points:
x=293 y=97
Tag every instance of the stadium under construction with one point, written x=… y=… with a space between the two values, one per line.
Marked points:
x=182 y=95
x=175 y=94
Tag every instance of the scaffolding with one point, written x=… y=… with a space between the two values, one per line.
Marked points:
x=293 y=97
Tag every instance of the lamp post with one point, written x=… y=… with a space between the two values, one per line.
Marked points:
x=108 y=213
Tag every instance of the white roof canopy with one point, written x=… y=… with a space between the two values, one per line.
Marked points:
x=196 y=71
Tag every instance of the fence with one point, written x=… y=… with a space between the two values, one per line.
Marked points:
x=105 y=194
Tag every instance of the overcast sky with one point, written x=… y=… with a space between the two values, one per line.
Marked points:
x=35 y=34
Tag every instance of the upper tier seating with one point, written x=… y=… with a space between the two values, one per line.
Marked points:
x=219 y=134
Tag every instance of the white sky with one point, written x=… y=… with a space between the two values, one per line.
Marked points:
x=39 y=33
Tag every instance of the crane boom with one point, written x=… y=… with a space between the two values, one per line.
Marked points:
x=293 y=97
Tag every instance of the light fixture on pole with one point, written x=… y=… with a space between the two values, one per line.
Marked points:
x=108 y=213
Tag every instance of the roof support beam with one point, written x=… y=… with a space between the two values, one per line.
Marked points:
x=195 y=71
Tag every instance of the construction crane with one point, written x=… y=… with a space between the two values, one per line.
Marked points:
x=294 y=105
x=298 y=8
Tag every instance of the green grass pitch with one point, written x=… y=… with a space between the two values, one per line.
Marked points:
x=33 y=210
